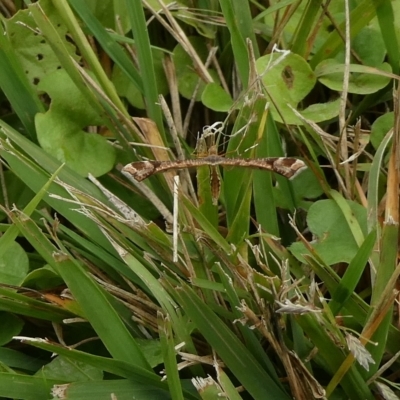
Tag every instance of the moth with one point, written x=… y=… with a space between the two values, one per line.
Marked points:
x=285 y=166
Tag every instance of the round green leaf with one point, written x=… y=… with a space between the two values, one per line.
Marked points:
x=305 y=186
x=59 y=130
x=290 y=80
x=380 y=128
x=368 y=44
x=42 y=278
x=74 y=105
x=182 y=60
x=362 y=80
x=333 y=239
x=188 y=81
x=215 y=97
x=10 y=326
x=83 y=152
x=322 y=111
x=14 y=265
x=32 y=50
x=287 y=83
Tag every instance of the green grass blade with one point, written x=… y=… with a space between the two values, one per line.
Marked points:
x=12 y=231
x=386 y=18
x=268 y=146
x=353 y=383
x=205 y=196
x=117 y=389
x=115 y=367
x=349 y=216
x=108 y=43
x=237 y=181
x=251 y=340
x=169 y=356
x=232 y=352
x=90 y=297
x=145 y=59
x=87 y=51
x=134 y=373
x=238 y=34
x=305 y=27
x=19 y=386
x=14 y=302
x=386 y=267
x=353 y=274
x=373 y=183
x=207 y=226
x=35 y=178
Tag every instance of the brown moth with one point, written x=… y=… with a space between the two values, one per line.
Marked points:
x=285 y=166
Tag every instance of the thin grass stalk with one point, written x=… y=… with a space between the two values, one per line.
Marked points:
x=145 y=58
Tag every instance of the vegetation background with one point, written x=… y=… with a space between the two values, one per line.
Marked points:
x=256 y=287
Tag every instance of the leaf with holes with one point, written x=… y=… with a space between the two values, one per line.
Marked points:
x=288 y=80
x=60 y=133
x=32 y=49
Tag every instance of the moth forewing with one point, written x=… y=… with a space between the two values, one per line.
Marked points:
x=206 y=193
x=215 y=183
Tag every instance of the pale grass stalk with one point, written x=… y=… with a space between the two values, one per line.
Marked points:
x=170 y=73
x=178 y=147
x=343 y=101
x=175 y=227
x=157 y=203
x=189 y=112
x=180 y=36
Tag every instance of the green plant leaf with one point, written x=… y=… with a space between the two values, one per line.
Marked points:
x=334 y=241
x=17 y=359
x=126 y=88
x=16 y=192
x=320 y=112
x=287 y=83
x=10 y=325
x=306 y=186
x=215 y=97
x=380 y=128
x=35 y=54
x=17 y=88
x=104 y=390
x=83 y=288
x=60 y=132
x=369 y=46
x=134 y=373
x=19 y=386
x=14 y=265
x=289 y=80
x=188 y=80
x=64 y=368
x=42 y=278
x=362 y=80
x=352 y=275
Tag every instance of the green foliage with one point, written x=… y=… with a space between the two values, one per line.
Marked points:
x=330 y=74
x=59 y=130
x=14 y=265
x=236 y=282
x=333 y=239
